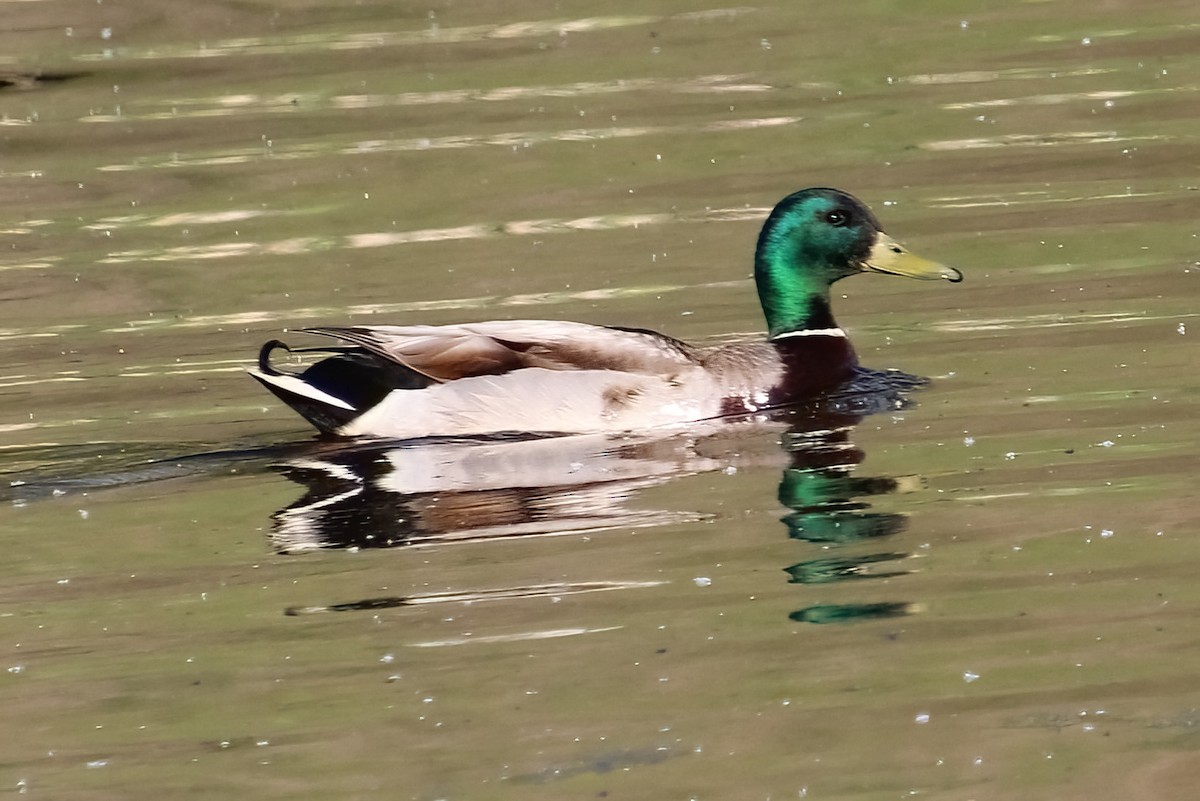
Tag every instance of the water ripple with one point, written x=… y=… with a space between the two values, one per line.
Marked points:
x=523 y=636
x=178 y=218
x=1028 y=198
x=371 y=40
x=22 y=380
x=1052 y=321
x=42 y=264
x=485 y=302
x=40 y=331
x=1050 y=99
x=989 y=76
x=313 y=244
x=514 y=140
x=1114 y=33
x=250 y=104
x=1052 y=139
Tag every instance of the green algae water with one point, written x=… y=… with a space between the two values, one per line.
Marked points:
x=985 y=594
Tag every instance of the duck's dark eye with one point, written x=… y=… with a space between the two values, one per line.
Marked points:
x=837 y=218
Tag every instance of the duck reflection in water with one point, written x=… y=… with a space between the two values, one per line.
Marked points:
x=448 y=491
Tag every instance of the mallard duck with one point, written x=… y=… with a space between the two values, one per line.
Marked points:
x=564 y=377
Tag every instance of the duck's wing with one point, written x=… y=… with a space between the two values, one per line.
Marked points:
x=447 y=352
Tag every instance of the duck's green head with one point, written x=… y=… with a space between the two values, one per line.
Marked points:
x=815 y=237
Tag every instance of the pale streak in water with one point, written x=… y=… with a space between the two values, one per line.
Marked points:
x=183 y=368
x=1052 y=321
x=1055 y=492
x=1049 y=100
x=531 y=591
x=30 y=382
x=25 y=379
x=540 y=298
x=180 y=218
x=434 y=34
x=27 y=265
x=513 y=139
x=26 y=226
x=1115 y=33
x=1038 y=140
x=1028 y=199
x=518 y=637
x=609 y=222
x=988 y=76
x=44 y=331
x=250 y=105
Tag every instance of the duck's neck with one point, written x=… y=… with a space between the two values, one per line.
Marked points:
x=792 y=302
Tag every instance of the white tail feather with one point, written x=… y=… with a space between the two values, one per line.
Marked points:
x=294 y=385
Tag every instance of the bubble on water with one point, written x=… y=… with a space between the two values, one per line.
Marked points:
x=922 y=718
x=969 y=676
x=702 y=581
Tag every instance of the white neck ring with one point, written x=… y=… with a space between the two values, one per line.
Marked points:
x=812 y=332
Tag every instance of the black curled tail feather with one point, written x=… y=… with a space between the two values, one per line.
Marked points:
x=264 y=356
x=354 y=378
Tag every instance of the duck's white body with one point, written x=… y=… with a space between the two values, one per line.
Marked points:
x=538 y=375
x=539 y=399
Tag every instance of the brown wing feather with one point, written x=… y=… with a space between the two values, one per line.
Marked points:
x=447 y=352
x=745 y=368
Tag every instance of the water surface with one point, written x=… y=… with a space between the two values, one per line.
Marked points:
x=987 y=594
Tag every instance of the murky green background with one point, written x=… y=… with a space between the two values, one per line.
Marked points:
x=180 y=181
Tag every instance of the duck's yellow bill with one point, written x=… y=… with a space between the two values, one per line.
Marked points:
x=889 y=256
